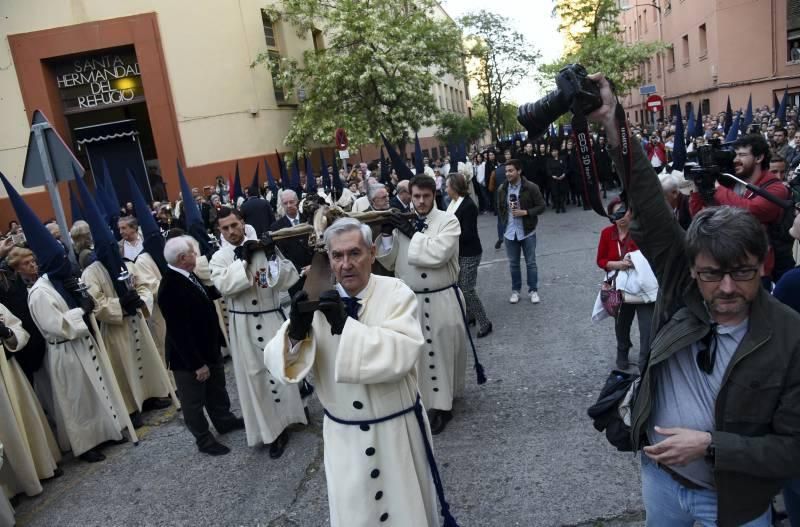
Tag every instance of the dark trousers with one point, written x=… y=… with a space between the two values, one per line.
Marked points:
x=211 y=395
x=622 y=327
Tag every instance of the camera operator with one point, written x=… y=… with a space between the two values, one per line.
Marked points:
x=751 y=164
x=716 y=413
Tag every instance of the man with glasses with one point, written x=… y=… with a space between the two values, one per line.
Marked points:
x=402 y=199
x=716 y=413
x=752 y=165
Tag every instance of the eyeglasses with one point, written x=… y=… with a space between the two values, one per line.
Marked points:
x=737 y=275
x=708 y=354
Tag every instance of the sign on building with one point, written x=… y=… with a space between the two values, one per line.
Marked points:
x=91 y=82
x=647 y=89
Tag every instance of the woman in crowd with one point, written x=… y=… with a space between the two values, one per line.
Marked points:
x=559 y=187
x=613 y=258
x=469 y=249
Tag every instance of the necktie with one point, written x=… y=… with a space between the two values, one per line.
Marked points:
x=351 y=305
x=196 y=282
x=295 y=221
x=420 y=225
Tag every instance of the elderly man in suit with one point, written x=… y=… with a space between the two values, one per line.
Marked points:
x=192 y=346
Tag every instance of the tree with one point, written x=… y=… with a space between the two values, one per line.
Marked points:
x=594 y=40
x=507 y=123
x=498 y=59
x=456 y=128
x=376 y=74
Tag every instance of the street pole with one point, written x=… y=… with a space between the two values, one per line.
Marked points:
x=52 y=189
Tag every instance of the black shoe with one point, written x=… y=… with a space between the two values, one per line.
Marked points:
x=235 y=424
x=498 y=244
x=279 y=445
x=485 y=331
x=92 y=456
x=156 y=403
x=214 y=449
x=439 y=420
x=136 y=420
x=57 y=473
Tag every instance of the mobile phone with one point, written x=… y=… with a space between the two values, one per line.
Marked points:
x=513 y=201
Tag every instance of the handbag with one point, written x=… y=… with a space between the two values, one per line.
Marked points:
x=611 y=297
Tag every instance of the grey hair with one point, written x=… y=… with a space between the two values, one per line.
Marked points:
x=81 y=236
x=175 y=247
x=669 y=182
x=289 y=192
x=727 y=234
x=372 y=189
x=130 y=221
x=343 y=225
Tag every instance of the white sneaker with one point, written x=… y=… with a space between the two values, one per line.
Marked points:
x=514 y=297
x=535 y=297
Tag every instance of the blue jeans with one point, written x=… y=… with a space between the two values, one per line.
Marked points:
x=791 y=498
x=667 y=503
x=528 y=247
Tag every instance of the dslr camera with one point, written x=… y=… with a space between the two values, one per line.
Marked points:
x=707 y=164
x=573 y=87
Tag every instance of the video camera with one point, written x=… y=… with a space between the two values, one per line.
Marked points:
x=708 y=163
x=573 y=87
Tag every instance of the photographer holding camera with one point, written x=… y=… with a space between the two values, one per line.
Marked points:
x=716 y=414
x=751 y=164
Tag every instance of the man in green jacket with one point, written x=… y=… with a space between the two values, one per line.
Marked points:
x=717 y=416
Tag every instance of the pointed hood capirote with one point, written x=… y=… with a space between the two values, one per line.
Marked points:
x=252 y=190
x=75 y=206
x=152 y=239
x=192 y=218
x=105 y=246
x=403 y=172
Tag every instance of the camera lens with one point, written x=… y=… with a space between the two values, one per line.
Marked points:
x=537 y=116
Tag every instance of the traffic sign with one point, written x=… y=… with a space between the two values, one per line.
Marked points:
x=655 y=103
x=341 y=139
x=647 y=89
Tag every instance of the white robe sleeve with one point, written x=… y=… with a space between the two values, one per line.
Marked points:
x=435 y=249
x=385 y=353
x=106 y=309
x=388 y=257
x=289 y=364
x=230 y=278
x=287 y=274
x=54 y=323
x=143 y=289
x=20 y=338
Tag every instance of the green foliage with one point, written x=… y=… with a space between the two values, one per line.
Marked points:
x=455 y=128
x=376 y=73
x=594 y=40
x=507 y=122
x=498 y=59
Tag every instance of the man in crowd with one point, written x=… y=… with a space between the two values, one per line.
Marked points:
x=500 y=178
x=519 y=203
x=296 y=250
x=193 y=347
x=378 y=197
x=751 y=164
x=423 y=253
x=251 y=274
x=256 y=211
x=362 y=346
x=656 y=152
x=781 y=145
x=131 y=243
x=402 y=198
x=716 y=413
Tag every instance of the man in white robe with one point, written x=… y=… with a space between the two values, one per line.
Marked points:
x=251 y=282
x=139 y=370
x=378 y=461
x=423 y=253
x=29 y=442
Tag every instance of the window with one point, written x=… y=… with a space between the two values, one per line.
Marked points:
x=703 y=41
x=441 y=152
x=667 y=6
x=319 y=43
x=670 y=58
x=793 y=30
x=644 y=19
x=705 y=106
x=685 y=49
x=274 y=53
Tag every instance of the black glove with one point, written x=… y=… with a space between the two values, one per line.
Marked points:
x=402 y=224
x=387 y=228
x=130 y=302
x=71 y=284
x=268 y=245
x=331 y=305
x=5 y=332
x=299 y=323
x=86 y=303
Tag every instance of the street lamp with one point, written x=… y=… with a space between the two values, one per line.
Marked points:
x=660 y=36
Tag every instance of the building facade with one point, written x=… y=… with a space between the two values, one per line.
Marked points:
x=715 y=49
x=176 y=73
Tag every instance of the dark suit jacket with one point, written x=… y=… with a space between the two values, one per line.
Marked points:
x=193 y=332
x=296 y=250
x=258 y=213
x=469 y=243
x=395 y=203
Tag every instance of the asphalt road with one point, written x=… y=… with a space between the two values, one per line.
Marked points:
x=520 y=452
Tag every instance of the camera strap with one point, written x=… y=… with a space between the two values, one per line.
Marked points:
x=590 y=182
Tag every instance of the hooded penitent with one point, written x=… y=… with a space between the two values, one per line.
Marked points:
x=192 y=217
x=151 y=235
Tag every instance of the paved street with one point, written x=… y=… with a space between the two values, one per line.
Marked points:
x=520 y=452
